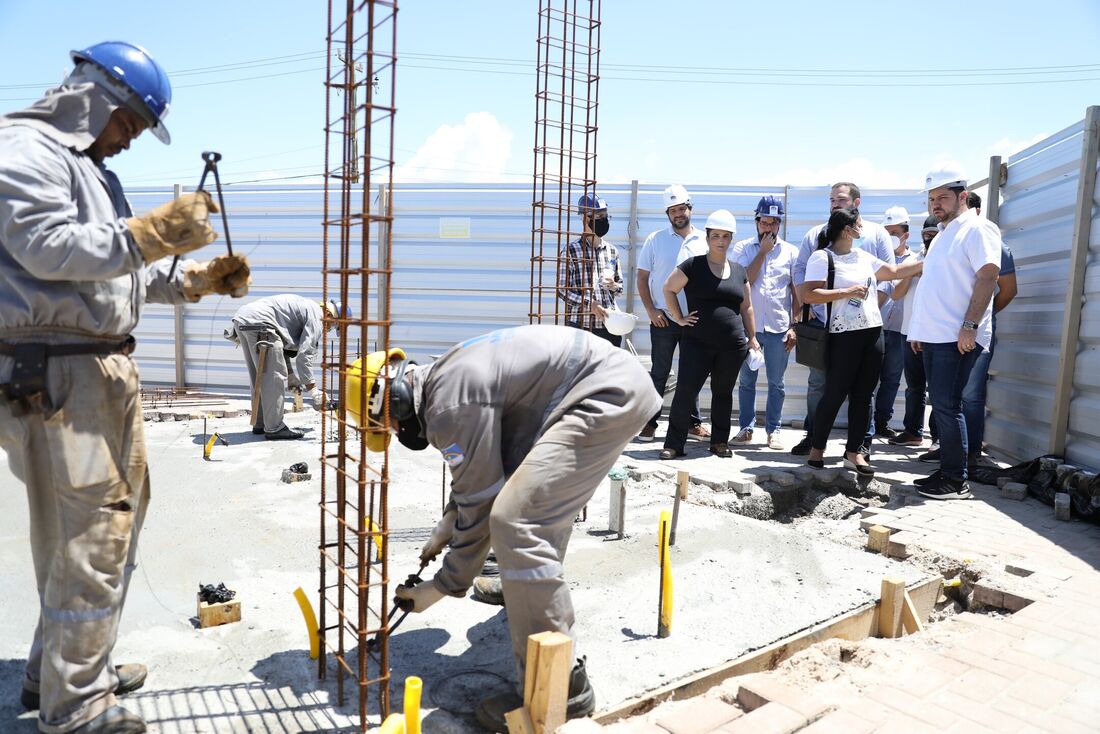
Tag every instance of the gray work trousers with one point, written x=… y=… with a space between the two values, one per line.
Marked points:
x=87 y=483
x=272 y=383
x=532 y=517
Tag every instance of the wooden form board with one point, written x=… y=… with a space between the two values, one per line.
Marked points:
x=859 y=624
x=545 y=685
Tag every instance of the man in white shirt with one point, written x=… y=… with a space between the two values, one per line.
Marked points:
x=875 y=240
x=896 y=223
x=952 y=319
x=662 y=252
x=769 y=263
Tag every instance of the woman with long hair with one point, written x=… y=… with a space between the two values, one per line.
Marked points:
x=855 y=331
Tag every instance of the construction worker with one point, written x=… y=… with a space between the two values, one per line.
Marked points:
x=662 y=252
x=76 y=268
x=280 y=336
x=590 y=274
x=529 y=420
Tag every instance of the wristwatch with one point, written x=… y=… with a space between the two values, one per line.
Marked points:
x=970 y=325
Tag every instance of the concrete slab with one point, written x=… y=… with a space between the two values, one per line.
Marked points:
x=740 y=584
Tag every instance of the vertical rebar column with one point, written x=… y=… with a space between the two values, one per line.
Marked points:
x=566 y=104
x=357 y=236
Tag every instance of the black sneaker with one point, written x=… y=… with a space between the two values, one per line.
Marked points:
x=933 y=477
x=930 y=457
x=802 y=448
x=885 y=432
x=946 y=489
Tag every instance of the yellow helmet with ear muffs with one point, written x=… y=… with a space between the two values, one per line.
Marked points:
x=385 y=376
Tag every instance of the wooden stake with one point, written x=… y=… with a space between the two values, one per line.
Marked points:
x=519 y=722
x=546 y=684
x=890 y=606
x=878 y=538
x=910 y=620
x=682 y=480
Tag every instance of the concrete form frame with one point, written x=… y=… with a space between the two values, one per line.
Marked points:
x=357 y=238
x=566 y=106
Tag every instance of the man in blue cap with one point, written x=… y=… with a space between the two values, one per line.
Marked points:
x=76 y=268
x=589 y=276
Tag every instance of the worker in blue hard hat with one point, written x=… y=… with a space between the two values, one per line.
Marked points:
x=76 y=268
x=590 y=278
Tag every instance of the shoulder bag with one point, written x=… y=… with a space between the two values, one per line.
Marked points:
x=811 y=337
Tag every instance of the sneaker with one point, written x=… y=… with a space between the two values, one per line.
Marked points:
x=488 y=590
x=930 y=479
x=946 y=489
x=743 y=436
x=721 y=449
x=906 y=439
x=802 y=448
x=774 y=443
x=115 y=720
x=885 y=432
x=286 y=433
x=581 y=702
x=130 y=678
x=699 y=431
x=647 y=433
x=930 y=457
x=667 y=454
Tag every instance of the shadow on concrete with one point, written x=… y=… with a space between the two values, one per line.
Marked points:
x=11 y=711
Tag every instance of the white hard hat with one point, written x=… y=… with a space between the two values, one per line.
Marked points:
x=676 y=195
x=722 y=219
x=896 y=215
x=946 y=175
x=619 y=322
x=756 y=359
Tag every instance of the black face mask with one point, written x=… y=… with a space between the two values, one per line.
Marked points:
x=600 y=226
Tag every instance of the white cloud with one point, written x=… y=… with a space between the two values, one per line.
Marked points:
x=1005 y=147
x=860 y=170
x=478 y=149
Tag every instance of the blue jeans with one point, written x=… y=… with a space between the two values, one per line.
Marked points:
x=775 y=365
x=663 y=341
x=973 y=398
x=893 y=361
x=916 y=388
x=947 y=373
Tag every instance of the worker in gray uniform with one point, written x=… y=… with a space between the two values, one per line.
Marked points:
x=280 y=337
x=76 y=268
x=529 y=420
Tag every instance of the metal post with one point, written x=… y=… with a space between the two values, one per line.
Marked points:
x=786 y=209
x=630 y=276
x=1079 y=253
x=993 y=197
x=384 y=235
x=177 y=319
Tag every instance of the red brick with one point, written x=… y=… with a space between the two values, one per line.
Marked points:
x=698 y=716
x=839 y=722
x=772 y=718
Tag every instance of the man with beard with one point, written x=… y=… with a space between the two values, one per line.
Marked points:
x=662 y=252
x=769 y=263
x=875 y=240
x=952 y=322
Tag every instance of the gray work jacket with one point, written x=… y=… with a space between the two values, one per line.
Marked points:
x=296 y=320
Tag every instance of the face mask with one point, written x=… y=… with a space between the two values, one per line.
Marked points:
x=895 y=241
x=601 y=226
x=857 y=242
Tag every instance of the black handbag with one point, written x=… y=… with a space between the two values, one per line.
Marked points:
x=811 y=336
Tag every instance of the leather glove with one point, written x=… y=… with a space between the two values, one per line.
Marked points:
x=423 y=595
x=224 y=275
x=441 y=537
x=175 y=228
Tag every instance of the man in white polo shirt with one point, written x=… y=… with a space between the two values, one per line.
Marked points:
x=952 y=319
x=662 y=252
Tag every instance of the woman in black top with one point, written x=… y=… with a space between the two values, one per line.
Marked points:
x=714 y=343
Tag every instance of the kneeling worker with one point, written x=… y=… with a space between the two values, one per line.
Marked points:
x=529 y=420
x=280 y=336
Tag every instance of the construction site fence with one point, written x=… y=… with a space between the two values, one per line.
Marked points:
x=461 y=263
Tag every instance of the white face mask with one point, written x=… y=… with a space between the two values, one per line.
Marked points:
x=895 y=241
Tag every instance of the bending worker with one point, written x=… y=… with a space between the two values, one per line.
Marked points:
x=529 y=420
x=280 y=336
x=76 y=268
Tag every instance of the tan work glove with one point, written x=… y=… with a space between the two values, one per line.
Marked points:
x=175 y=228
x=440 y=538
x=224 y=275
x=422 y=596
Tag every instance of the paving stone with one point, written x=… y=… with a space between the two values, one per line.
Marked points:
x=700 y=716
x=1002 y=481
x=1061 y=506
x=1019 y=569
x=783 y=479
x=839 y=722
x=758 y=690
x=636 y=725
x=773 y=718
x=718 y=484
x=989 y=596
x=1014 y=491
x=742 y=485
x=973 y=711
x=583 y=725
x=901 y=544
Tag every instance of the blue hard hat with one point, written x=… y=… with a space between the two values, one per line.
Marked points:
x=591 y=202
x=770 y=206
x=135 y=68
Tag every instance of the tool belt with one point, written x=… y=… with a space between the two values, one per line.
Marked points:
x=27 y=390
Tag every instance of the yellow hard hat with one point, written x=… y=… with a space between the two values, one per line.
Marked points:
x=378 y=436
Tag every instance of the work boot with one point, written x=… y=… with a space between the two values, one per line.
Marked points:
x=488 y=590
x=130 y=678
x=286 y=433
x=115 y=720
x=258 y=429
x=582 y=702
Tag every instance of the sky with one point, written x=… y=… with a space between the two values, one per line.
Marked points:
x=802 y=92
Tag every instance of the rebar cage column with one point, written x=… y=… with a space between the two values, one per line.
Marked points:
x=357 y=236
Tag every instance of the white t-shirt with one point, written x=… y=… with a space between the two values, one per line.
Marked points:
x=858 y=267
x=662 y=252
x=954 y=258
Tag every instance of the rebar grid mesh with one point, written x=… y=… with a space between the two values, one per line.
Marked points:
x=566 y=103
x=359 y=119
